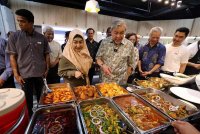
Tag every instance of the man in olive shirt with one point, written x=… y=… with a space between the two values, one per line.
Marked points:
x=29 y=56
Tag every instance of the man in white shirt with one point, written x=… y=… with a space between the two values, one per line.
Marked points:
x=177 y=55
x=55 y=55
x=193 y=65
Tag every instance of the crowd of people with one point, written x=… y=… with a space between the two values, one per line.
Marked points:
x=29 y=56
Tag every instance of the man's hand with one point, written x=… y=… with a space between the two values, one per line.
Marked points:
x=1 y=82
x=106 y=70
x=181 y=127
x=146 y=73
x=20 y=80
x=78 y=74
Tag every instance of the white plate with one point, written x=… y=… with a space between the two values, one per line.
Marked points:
x=187 y=94
x=197 y=80
x=188 y=103
x=178 y=80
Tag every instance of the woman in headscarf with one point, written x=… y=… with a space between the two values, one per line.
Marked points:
x=76 y=61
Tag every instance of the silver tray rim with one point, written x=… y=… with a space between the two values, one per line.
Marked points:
x=35 y=114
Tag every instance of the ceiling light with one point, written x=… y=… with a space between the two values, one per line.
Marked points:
x=159 y=0
x=92 y=6
x=166 y=2
x=178 y=3
x=172 y=4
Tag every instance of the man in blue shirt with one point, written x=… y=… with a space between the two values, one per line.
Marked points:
x=151 y=56
x=6 y=74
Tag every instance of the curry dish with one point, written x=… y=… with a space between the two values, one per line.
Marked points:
x=176 y=112
x=143 y=116
x=85 y=92
x=153 y=82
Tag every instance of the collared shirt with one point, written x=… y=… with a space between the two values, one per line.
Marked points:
x=4 y=61
x=136 y=58
x=117 y=58
x=175 y=56
x=56 y=51
x=150 y=56
x=93 y=48
x=30 y=51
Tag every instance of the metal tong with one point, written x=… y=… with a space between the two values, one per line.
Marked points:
x=47 y=89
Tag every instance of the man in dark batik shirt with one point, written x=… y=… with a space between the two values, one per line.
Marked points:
x=151 y=56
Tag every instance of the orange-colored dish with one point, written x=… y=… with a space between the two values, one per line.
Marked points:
x=59 y=95
x=111 y=89
x=85 y=92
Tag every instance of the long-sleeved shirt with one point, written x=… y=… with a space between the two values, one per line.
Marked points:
x=4 y=61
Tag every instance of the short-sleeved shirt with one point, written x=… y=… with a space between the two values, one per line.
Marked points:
x=175 y=56
x=56 y=51
x=136 y=57
x=30 y=51
x=118 y=59
x=150 y=56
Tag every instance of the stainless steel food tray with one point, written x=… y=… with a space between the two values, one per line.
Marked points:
x=51 y=86
x=153 y=130
x=190 y=108
x=100 y=101
x=49 y=109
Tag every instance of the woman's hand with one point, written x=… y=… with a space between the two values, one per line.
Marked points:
x=78 y=74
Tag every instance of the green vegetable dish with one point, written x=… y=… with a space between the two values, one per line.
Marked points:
x=101 y=119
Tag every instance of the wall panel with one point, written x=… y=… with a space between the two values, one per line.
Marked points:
x=69 y=17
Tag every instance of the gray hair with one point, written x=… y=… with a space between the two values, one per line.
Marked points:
x=118 y=23
x=47 y=28
x=156 y=29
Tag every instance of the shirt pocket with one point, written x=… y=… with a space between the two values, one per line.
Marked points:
x=39 y=47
